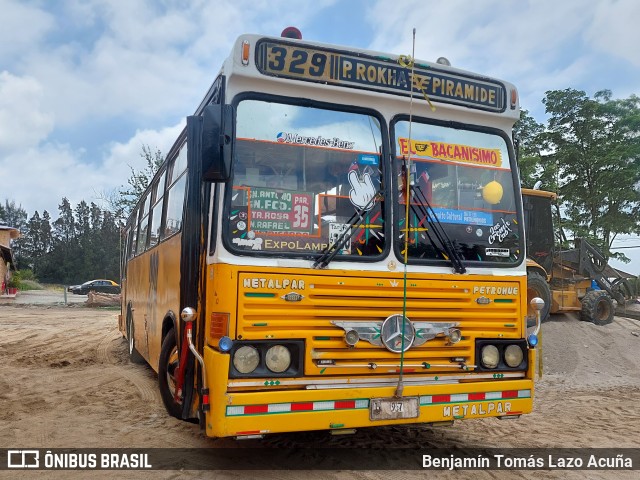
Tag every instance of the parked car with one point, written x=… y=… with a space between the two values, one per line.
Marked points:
x=103 y=286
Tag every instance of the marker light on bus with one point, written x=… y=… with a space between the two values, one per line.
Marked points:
x=219 y=326
x=278 y=358
x=514 y=98
x=291 y=32
x=245 y=52
x=225 y=344
x=246 y=359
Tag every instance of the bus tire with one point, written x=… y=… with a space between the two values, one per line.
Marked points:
x=537 y=286
x=134 y=355
x=597 y=308
x=169 y=357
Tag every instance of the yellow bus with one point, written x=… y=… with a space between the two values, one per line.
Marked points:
x=334 y=241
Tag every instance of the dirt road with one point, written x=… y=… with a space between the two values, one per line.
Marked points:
x=65 y=381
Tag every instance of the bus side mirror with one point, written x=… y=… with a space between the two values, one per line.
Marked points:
x=211 y=135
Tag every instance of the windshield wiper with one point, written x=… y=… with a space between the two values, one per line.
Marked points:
x=449 y=248
x=353 y=223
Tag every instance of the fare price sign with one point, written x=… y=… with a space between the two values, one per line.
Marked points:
x=323 y=65
x=280 y=211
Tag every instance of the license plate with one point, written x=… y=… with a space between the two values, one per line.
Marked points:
x=393 y=408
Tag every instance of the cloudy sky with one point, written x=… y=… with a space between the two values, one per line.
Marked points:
x=85 y=83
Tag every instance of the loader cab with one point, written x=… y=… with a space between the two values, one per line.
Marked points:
x=539 y=226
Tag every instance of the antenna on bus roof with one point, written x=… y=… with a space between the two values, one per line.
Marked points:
x=291 y=32
x=407 y=186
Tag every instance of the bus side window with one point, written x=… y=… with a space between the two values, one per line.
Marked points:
x=134 y=235
x=180 y=163
x=125 y=251
x=144 y=224
x=155 y=217
x=175 y=204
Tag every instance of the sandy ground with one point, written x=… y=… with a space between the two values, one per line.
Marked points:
x=65 y=381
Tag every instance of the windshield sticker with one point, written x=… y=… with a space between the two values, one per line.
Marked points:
x=367 y=159
x=362 y=191
x=499 y=231
x=452 y=152
x=469 y=217
x=336 y=231
x=497 y=252
x=254 y=244
x=280 y=211
x=295 y=245
x=316 y=141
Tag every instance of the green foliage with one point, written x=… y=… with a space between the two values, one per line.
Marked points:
x=595 y=145
x=122 y=201
x=83 y=243
x=14 y=216
x=25 y=280
x=25 y=274
x=530 y=140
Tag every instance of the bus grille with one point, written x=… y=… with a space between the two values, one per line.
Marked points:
x=265 y=313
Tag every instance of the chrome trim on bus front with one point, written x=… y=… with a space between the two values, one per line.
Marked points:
x=316 y=384
x=374 y=366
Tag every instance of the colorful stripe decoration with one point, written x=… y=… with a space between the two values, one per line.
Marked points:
x=274 y=408
x=363 y=403
x=473 y=397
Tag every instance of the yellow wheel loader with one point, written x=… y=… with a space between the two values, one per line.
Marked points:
x=578 y=279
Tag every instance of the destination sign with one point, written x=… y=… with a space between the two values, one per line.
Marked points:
x=280 y=211
x=300 y=62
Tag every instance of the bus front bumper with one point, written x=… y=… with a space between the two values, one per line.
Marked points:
x=274 y=409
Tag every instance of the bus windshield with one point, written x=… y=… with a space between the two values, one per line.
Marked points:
x=463 y=186
x=299 y=176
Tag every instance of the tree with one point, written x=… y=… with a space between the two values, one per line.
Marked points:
x=532 y=163
x=38 y=241
x=122 y=201
x=595 y=144
x=14 y=216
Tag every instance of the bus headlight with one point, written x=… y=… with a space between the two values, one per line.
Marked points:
x=278 y=358
x=513 y=355
x=490 y=356
x=246 y=359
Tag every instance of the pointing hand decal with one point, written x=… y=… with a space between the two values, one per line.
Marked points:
x=362 y=190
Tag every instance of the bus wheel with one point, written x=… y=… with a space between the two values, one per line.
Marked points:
x=169 y=358
x=597 y=308
x=134 y=355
